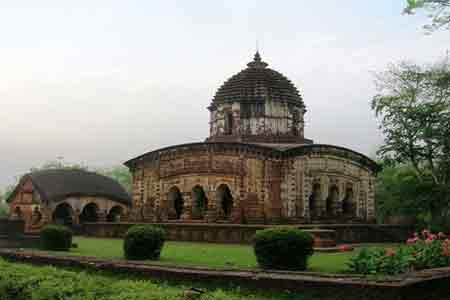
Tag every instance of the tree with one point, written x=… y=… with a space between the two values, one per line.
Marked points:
x=438 y=11
x=413 y=105
x=119 y=173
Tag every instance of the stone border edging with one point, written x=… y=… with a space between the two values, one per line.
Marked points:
x=390 y=287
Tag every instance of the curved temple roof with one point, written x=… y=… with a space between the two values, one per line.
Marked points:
x=57 y=184
x=257 y=83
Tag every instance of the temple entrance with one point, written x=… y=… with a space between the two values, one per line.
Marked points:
x=225 y=199
x=200 y=202
x=63 y=214
x=333 y=196
x=347 y=202
x=176 y=203
x=313 y=198
x=89 y=213
x=115 y=214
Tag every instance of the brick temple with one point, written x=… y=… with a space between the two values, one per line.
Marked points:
x=256 y=166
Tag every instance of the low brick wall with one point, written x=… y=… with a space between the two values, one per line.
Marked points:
x=12 y=235
x=25 y=241
x=433 y=284
x=327 y=235
x=198 y=232
x=366 y=233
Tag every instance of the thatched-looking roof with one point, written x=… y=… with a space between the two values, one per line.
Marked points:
x=58 y=184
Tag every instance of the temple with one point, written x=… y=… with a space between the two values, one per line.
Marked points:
x=256 y=166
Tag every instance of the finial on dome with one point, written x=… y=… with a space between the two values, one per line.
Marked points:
x=257 y=62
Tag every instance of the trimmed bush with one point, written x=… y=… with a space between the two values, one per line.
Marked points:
x=143 y=242
x=283 y=248
x=56 y=237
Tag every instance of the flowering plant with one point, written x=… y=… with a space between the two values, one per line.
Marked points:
x=422 y=251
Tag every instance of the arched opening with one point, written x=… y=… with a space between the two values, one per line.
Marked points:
x=313 y=198
x=228 y=123
x=176 y=202
x=200 y=202
x=115 y=214
x=347 y=202
x=36 y=217
x=225 y=199
x=18 y=212
x=63 y=214
x=89 y=214
x=333 y=196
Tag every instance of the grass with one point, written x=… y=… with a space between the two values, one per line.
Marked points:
x=202 y=254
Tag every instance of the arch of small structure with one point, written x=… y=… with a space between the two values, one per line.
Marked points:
x=115 y=214
x=89 y=213
x=63 y=214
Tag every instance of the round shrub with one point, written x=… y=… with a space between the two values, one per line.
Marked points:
x=143 y=242
x=283 y=248
x=56 y=237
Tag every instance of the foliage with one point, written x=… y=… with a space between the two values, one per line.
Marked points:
x=143 y=242
x=4 y=208
x=283 y=248
x=56 y=237
x=421 y=252
x=380 y=261
x=121 y=174
x=400 y=193
x=23 y=282
x=413 y=106
x=438 y=11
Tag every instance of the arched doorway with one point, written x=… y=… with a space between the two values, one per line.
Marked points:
x=176 y=202
x=199 y=202
x=225 y=199
x=115 y=214
x=36 y=217
x=333 y=196
x=63 y=214
x=347 y=202
x=89 y=214
x=313 y=199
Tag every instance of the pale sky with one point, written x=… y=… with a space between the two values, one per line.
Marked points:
x=100 y=82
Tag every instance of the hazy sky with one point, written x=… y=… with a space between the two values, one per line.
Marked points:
x=99 y=82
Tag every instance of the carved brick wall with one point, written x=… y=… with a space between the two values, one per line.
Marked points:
x=265 y=187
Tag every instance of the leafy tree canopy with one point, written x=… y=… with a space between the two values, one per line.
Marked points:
x=413 y=106
x=438 y=12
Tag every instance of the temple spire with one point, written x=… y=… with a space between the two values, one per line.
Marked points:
x=257 y=62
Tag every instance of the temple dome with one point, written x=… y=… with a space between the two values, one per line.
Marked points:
x=258 y=83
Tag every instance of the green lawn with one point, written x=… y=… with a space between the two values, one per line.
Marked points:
x=203 y=254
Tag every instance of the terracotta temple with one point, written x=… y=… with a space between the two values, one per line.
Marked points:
x=256 y=166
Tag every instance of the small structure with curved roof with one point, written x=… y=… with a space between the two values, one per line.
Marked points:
x=256 y=166
x=69 y=197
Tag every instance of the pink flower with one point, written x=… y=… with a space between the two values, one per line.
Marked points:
x=412 y=240
x=428 y=241
x=441 y=235
x=416 y=235
x=425 y=233
x=445 y=250
x=345 y=248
